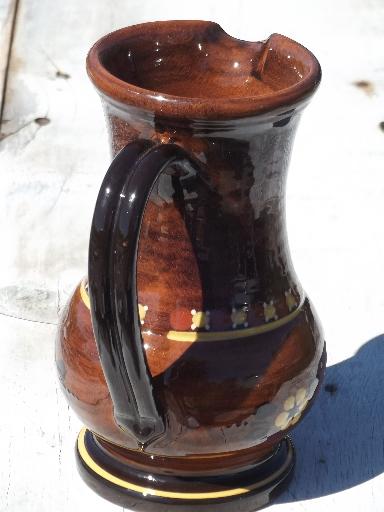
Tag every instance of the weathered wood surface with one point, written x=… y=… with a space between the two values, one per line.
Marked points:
x=7 y=18
x=52 y=158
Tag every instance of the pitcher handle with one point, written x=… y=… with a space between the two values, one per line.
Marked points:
x=113 y=249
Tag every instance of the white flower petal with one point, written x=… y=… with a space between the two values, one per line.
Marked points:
x=301 y=395
x=282 y=420
x=289 y=403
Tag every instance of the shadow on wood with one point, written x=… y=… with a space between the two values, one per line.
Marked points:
x=340 y=444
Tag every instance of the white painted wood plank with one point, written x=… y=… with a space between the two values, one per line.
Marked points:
x=48 y=182
x=7 y=10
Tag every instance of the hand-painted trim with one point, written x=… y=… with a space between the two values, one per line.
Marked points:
x=84 y=295
x=87 y=459
x=193 y=336
x=145 y=491
x=190 y=337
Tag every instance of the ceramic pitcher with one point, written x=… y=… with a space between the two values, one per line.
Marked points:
x=191 y=349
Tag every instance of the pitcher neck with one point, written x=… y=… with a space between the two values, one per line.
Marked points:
x=234 y=214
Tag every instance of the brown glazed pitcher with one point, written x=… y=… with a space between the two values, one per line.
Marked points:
x=191 y=349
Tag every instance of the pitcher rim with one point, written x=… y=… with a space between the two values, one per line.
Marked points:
x=127 y=94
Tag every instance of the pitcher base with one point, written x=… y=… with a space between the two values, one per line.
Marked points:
x=126 y=486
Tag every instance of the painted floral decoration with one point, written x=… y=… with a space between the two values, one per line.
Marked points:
x=239 y=318
x=290 y=300
x=142 y=312
x=199 y=319
x=269 y=311
x=293 y=407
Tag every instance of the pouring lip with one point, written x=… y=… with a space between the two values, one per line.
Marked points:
x=126 y=94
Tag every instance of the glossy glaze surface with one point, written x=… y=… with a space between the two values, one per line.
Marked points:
x=234 y=350
x=247 y=490
x=194 y=69
x=112 y=269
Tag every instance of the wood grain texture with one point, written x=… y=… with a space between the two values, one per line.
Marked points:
x=335 y=190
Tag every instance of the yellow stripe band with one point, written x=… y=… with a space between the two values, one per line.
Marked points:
x=84 y=295
x=146 y=490
x=189 y=336
x=192 y=336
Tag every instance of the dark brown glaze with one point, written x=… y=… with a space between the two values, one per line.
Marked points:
x=193 y=69
x=256 y=486
x=113 y=248
x=212 y=241
x=207 y=414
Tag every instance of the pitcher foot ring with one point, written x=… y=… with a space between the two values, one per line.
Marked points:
x=126 y=486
